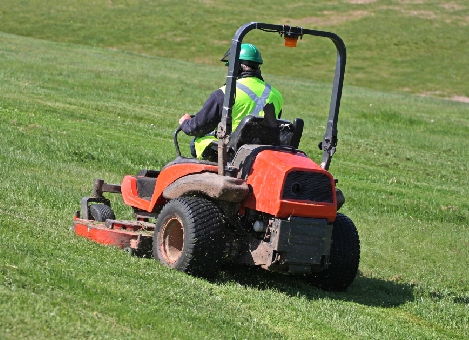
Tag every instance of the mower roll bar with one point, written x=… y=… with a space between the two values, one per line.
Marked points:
x=329 y=142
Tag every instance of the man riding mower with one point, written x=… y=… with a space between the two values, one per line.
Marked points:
x=263 y=202
x=252 y=94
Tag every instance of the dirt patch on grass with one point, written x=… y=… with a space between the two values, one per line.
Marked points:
x=414 y=2
x=461 y=99
x=359 y=2
x=432 y=94
x=440 y=94
x=421 y=14
x=329 y=19
x=449 y=14
x=452 y=6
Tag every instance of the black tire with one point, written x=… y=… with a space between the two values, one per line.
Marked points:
x=344 y=257
x=189 y=236
x=101 y=212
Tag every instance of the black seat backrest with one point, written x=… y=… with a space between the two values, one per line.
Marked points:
x=298 y=125
x=256 y=130
x=290 y=134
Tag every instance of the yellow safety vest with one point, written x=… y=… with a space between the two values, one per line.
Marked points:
x=251 y=96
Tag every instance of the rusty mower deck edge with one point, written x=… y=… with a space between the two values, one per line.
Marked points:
x=134 y=236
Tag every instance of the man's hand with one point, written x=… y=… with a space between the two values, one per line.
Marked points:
x=183 y=118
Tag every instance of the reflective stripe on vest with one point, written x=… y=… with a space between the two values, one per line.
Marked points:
x=246 y=100
x=260 y=101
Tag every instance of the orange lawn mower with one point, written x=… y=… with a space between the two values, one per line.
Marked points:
x=263 y=203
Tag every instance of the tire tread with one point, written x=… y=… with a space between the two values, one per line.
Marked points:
x=204 y=246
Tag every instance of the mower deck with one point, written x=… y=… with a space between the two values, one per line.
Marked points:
x=134 y=236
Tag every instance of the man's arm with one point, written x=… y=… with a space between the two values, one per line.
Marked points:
x=207 y=119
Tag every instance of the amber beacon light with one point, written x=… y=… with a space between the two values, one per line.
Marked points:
x=291 y=34
x=290 y=42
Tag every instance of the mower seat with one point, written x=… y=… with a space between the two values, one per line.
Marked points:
x=256 y=130
x=267 y=130
x=184 y=160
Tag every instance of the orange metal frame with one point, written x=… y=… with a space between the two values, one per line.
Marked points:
x=165 y=178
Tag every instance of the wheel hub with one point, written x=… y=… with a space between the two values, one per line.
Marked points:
x=172 y=240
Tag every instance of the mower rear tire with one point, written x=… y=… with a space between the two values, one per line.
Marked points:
x=189 y=236
x=344 y=257
x=101 y=212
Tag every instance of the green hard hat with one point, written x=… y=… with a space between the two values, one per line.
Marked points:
x=248 y=52
x=251 y=53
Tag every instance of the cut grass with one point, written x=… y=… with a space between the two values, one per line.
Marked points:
x=69 y=114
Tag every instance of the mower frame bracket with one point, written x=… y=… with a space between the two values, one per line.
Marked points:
x=98 y=188
x=85 y=201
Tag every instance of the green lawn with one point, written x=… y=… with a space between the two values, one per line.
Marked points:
x=71 y=112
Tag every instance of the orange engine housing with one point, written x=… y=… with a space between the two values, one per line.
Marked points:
x=290 y=184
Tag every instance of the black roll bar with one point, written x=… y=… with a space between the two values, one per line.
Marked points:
x=329 y=142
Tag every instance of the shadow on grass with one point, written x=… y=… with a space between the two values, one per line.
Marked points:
x=364 y=290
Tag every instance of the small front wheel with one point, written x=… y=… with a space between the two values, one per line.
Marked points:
x=101 y=212
x=189 y=236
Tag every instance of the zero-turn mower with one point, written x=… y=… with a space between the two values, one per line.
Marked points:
x=264 y=203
